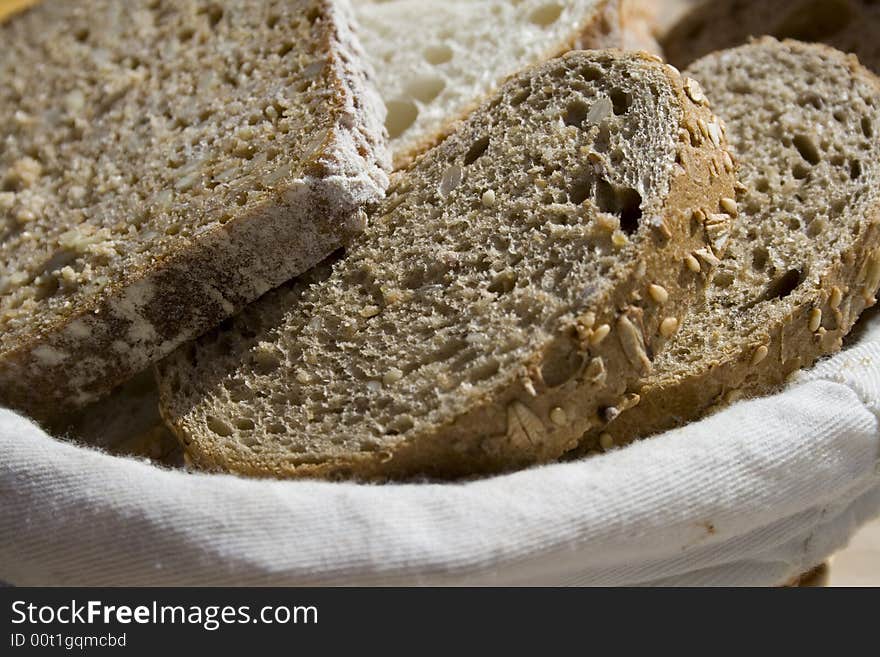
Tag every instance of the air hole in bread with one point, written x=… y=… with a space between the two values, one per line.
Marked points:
x=476 y=150
x=581 y=189
x=561 y=363
x=503 y=283
x=546 y=14
x=438 y=54
x=603 y=139
x=760 y=256
x=575 y=113
x=781 y=287
x=272 y=21
x=401 y=115
x=426 y=89
x=276 y=427
x=867 y=128
x=811 y=98
x=591 y=73
x=521 y=96
x=218 y=426
x=214 y=12
x=855 y=170
x=244 y=424
x=800 y=172
x=807 y=148
x=625 y=202
x=621 y=101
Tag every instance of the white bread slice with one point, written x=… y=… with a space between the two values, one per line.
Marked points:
x=436 y=61
x=164 y=164
x=516 y=279
x=804 y=256
x=848 y=25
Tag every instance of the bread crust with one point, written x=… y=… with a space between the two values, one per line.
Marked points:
x=813 y=328
x=163 y=302
x=528 y=420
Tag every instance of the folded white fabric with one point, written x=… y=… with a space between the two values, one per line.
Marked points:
x=754 y=495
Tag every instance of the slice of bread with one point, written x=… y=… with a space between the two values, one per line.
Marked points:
x=434 y=63
x=164 y=164
x=804 y=257
x=848 y=25
x=516 y=279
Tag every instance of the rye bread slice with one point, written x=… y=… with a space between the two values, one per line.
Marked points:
x=848 y=25
x=163 y=165
x=804 y=255
x=516 y=279
x=434 y=64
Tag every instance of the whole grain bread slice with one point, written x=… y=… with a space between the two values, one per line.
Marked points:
x=434 y=64
x=163 y=165
x=848 y=25
x=516 y=279
x=804 y=255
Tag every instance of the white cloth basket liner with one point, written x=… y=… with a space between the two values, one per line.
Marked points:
x=754 y=495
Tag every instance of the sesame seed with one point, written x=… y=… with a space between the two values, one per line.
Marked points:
x=836 y=298
x=728 y=161
x=704 y=129
x=600 y=334
x=815 y=319
x=558 y=416
x=619 y=239
x=658 y=293
x=488 y=199
x=606 y=441
x=303 y=377
x=692 y=263
x=760 y=354
x=369 y=311
x=588 y=320
x=668 y=327
x=729 y=206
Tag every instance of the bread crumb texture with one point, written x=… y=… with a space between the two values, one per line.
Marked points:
x=804 y=255
x=435 y=61
x=467 y=331
x=163 y=164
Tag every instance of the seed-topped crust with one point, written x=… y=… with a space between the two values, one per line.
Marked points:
x=804 y=257
x=513 y=327
x=196 y=155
